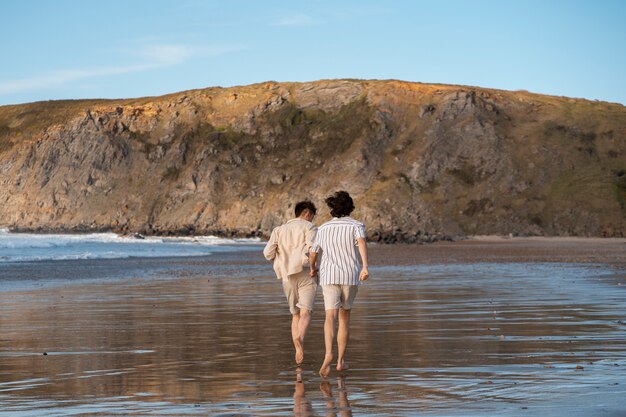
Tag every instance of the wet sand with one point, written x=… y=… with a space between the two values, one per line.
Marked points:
x=485 y=326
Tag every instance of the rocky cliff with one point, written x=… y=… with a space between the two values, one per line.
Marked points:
x=421 y=161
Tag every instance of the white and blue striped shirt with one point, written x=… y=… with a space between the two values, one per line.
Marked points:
x=340 y=261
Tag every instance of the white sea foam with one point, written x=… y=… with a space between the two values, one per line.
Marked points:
x=29 y=247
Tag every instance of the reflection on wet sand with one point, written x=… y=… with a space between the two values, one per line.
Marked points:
x=433 y=339
x=302 y=406
x=335 y=405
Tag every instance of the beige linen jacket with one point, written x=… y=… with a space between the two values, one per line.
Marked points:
x=289 y=246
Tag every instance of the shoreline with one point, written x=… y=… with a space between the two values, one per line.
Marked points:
x=376 y=236
x=592 y=253
x=469 y=249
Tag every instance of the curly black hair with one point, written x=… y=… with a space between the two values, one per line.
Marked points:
x=305 y=205
x=340 y=204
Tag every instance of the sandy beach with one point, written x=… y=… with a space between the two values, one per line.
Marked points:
x=503 y=249
x=484 y=326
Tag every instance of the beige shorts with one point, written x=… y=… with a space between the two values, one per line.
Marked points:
x=300 y=291
x=339 y=296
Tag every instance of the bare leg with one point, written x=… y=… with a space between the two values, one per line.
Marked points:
x=301 y=328
x=330 y=324
x=295 y=336
x=343 y=335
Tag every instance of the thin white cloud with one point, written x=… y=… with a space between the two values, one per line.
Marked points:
x=167 y=55
x=296 y=19
x=57 y=78
x=151 y=57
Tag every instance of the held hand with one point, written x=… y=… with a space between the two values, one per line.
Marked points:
x=313 y=273
x=364 y=274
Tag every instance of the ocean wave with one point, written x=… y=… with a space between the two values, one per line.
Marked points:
x=31 y=240
x=30 y=247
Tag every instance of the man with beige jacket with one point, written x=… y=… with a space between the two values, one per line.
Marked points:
x=289 y=246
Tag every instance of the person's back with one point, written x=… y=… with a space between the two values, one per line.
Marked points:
x=288 y=247
x=341 y=262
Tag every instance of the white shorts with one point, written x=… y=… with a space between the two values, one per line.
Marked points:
x=339 y=296
x=300 y=291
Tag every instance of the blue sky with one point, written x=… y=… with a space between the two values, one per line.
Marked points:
x=66 y=49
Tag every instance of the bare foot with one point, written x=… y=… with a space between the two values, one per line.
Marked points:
x=299 y=351
x=342 y=366
x=325 y=369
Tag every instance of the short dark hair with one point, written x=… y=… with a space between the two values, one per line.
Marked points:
x=340 y=204
x=305 y=205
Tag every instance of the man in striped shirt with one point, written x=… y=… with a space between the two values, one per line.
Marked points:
x=340 y=246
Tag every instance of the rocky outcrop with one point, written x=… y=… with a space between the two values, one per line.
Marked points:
x=422 y=161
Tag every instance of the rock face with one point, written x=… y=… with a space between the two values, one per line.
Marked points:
x=421 y=161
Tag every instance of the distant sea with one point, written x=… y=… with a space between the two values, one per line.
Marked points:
x=26 y=247
x=30 y=260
